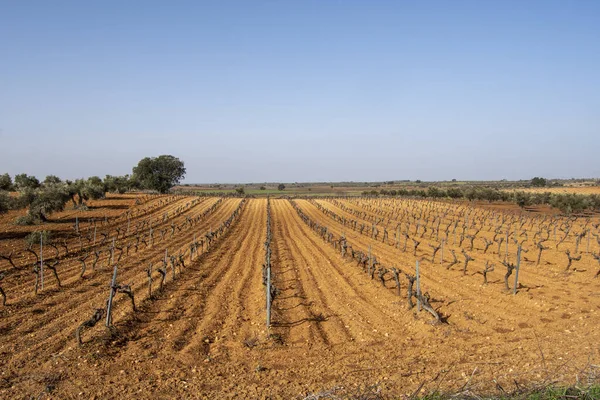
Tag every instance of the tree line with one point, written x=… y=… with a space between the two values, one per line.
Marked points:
x=52 y=194
x=566 y=203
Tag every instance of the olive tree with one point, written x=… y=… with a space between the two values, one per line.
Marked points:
x=538 y=182
x=52 y=180
x=4 y=201
x=74 y=189
x=91 y=188
x=6 y=182
x=24 y=181
x=117 y=184
x=47 y=201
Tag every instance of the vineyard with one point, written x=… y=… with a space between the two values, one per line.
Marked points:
x=168 y=296
x=581 y=190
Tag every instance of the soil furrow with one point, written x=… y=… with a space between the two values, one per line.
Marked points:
x=53 y=324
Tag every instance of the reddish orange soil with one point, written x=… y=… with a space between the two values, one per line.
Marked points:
x=333 y=329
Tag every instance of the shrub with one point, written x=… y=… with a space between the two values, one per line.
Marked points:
x=25 y=220
x=541 y=198
x=471 y=194
x=434 y=192
x=4 y=202
x=523 y=199
x=489 y=194
x=370 y=193
x=34 y=237
x=454 y=193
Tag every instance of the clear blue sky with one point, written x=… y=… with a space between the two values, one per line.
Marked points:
x=252 y=91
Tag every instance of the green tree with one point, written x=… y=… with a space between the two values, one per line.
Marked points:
x=47 y=201
x=52 y=180
x=471 y=194
x=455 y=193
x=24 y=181
x=490 y=194
x=4 y=202
x=240 y=190
x=432 y=191
x=159 y=173
x=281 y=186
x=117 y=184
x=538 y=182
x=74 y=189
x=6 y=182
x=26 y=197
x=95 y=180
x=93 y=188
x=522 y=199
x=34 y=238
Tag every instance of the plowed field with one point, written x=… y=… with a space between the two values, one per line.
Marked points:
x=335 y=328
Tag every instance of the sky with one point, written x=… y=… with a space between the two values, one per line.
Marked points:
x=305 y=90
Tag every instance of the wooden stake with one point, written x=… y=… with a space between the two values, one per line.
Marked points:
x=370 y=260
x=418 y=287
x=268 y=295
x=506 y=251
x=113 y=284
x=42 y=258
x=112 y=252
x=588 y=242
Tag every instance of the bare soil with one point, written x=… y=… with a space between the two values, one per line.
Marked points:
x=334 y=330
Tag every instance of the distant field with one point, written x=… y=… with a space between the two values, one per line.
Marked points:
x=561 y=190
x=308 y=190
x=358 y=189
